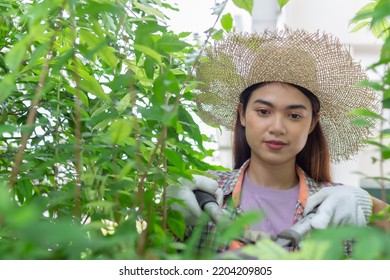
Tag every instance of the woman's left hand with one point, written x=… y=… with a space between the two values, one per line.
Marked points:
x=339 y=205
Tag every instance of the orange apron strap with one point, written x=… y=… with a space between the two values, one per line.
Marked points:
x=235 y=244
x=303 y=188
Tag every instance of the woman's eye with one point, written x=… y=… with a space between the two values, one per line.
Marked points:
x=263 y=111
x=295 y=116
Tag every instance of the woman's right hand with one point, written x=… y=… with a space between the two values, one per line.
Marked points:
x=186 y=202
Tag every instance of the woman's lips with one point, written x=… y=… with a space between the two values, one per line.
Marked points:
x=275 y=145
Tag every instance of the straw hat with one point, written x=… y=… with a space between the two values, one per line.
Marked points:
x=317 y=62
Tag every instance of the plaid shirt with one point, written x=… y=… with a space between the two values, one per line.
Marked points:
x=231 y=184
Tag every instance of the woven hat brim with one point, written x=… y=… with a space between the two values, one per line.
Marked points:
x=318 y=62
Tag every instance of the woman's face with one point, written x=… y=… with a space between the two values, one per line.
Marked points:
x=277 y=121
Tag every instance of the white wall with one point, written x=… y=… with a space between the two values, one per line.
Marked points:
x=332 y=16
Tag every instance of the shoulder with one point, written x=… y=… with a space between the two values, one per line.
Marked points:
x=321 y=185
x=314 y=186
x=329 y=184
x=226 y=179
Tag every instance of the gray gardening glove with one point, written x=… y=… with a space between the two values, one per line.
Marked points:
x=339 y=205
x=190 y=208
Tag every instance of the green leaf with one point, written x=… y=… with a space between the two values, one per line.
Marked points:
x=387 y=73
x=91 y=85
x=159 y=88
x=361 y=122
x=266 y=249
x=149 y=67
x=236 y=227
x=98 y=45
x=83 y=97
x=381 y=12
x=385 y=54
x=375 y=143
x=365 y=113
x=107 y=53
x=17 y=54
x=385 y=153
x=360 y=25
x=150 y=27
x=227 y=22
x=386 y=99
x=124 y=103
x=319 y=250
x=218 y=35
x=189 y=125
x=386 y=94
x=380 y=29
x=7 y=85
x=170 y=43
x=170 y=115
x=164 y=84
x=120 y=130
x=175 y=158
x=149 y=10
x=373 y=85
x=61 y=61
x=7 y=128
x=152 y=113
x=149 y=52
x=247 y=5
x=282 y=3
x=176 y=223
x=367 y=248
x=386 y=131
x=364 y=13
x=121 y=81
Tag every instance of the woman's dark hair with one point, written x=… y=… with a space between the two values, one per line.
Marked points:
x=314 y=158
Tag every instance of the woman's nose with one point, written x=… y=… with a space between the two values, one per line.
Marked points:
x=277 y=126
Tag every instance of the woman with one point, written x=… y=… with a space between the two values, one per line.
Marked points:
x=286 y=95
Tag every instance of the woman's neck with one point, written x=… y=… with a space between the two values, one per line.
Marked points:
x=282 y=176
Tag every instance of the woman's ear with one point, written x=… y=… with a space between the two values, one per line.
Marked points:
x=241 y=114
x=314 y=122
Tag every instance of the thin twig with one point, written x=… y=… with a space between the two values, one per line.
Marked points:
x=32 y=114
x=77 y=121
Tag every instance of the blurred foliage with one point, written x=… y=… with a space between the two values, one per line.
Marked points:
x=375 y=16
x=96 y=120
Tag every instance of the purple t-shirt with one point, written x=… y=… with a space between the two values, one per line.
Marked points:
x=278 y=206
